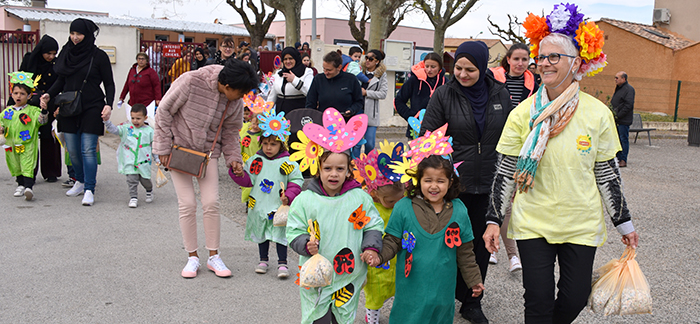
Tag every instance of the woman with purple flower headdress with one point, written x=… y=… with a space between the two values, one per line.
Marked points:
x=557 y=158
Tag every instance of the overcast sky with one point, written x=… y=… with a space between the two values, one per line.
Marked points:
x=474 y=24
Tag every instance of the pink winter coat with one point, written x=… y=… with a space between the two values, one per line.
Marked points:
x=189 y=116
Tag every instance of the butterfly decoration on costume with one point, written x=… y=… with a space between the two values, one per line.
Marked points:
x=336 y=135
x=343 y=295
x=308 y=152
x=415 y=123
x=266 y=185
x=384 y=161
x=314 y=231
x=432 y=143
x=9 y=113
x=277 y=62
x=256 y=166
x=274 y=124
x=452 y=237
x=344 y=262
x=385 y=266
x=24 y=135
x=271 y=215
x=358 y=218
x=408 y=243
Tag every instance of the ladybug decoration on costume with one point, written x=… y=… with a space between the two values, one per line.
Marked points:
x=408 y=243
x=246 y=141
x=256 y=166
x=24 y=119
x=452 y=237
x=344 y=262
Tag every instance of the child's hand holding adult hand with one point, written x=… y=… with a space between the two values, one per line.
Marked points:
x=370 y=257
x=237 y=168
x=477 y=290
x=312 y=247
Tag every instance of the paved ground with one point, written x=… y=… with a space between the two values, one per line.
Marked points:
x=62 y=262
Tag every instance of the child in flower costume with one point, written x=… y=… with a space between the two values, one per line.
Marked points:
x=274 y=180
x=343 y=216
x=386 y=193
x=134 y=156
x=430 y=235
x=20 y=126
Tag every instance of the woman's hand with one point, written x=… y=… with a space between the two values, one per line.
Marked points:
x=370 y=257
x=477 y=290
x=364 y=92
x=44 y=101
x=237 y=168
x=631 y=239
x=164 y=159
x=55 y=113
x=106 y=112
x=312 y=246
x=288 y=76
x=491 y=238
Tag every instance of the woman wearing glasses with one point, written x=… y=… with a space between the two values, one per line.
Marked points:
x=476 y=107
x=558 y=157
x=142 y=83
x=226 y=51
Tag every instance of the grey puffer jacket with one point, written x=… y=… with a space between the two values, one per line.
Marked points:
x=376 y=90
x=478 y=156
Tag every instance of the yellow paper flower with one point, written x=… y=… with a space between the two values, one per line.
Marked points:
x=591 y=40
x=402 y=167
x=386 y=147
x=308 y=152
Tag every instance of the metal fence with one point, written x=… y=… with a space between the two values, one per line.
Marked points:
x=672 y=97
x=13 y=45
x=170 y=59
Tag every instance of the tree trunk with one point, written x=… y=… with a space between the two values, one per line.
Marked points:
x=439 y=40
x=378 y=24
x=292 y=16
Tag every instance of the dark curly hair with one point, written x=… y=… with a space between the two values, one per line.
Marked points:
x=439 y=163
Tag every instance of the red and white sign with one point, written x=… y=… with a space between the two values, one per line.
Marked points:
x=171 y=50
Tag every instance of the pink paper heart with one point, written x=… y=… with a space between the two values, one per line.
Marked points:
x=335 y=135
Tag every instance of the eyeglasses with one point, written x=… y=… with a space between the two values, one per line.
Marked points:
x=552 y=57
x=370 y=58
x=227 y=47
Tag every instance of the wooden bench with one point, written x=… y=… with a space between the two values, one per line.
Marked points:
x=637 y=127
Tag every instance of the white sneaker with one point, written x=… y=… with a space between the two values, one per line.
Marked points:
x=217 y=265
x=28 y=194
x=19 y=191
x=149 y=197
x=190 y=270
x=515 y=264
x=77 y=189
x=89 y=198
x=133 y=202
x=493 y=259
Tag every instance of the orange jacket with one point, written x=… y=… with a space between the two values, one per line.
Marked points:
x=499 y=73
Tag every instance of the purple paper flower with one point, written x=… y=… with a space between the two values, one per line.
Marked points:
x=564 y=19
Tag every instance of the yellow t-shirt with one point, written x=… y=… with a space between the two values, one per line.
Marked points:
x=564 y=206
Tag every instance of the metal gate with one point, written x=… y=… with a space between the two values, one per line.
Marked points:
x=169 y=59
x=13 y=45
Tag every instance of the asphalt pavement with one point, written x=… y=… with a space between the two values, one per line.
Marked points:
x=66 y=263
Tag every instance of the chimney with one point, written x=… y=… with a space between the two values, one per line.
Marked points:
x=39 y=3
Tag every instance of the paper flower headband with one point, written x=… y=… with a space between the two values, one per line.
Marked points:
x=565 y=19
x=274 y=124
x=369 y=170
x=21 y=77
x=335 y=135
x=432 y=143
x=256 y=104
x=308 y=152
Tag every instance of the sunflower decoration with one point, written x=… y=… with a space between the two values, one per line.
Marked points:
x=21 y=77
x=368 y=169
x=308 y=152
x=386 y=147
x=403 y=168
x=274 y=124
x=565 y=19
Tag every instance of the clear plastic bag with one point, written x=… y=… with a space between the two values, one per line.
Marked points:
x=604 y=288
x=317 y=271
x=281 y=213
x=636 y=295
x=621 y=288
x=161 y=179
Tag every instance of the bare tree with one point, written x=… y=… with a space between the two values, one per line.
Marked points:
x=292 y=16
x=260 y=26
x=401 y=12
x=358 y=33
x=443 y=16
x=509 y=34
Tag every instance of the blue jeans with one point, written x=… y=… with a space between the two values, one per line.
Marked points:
x=624 y=132
x=370 y=137
x=82 y=148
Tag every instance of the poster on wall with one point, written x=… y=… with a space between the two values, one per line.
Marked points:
x=399 y=55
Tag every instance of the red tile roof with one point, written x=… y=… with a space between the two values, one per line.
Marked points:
x=654 y=34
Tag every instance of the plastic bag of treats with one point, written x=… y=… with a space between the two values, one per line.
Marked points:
x=636 y=295
x=161 y=179
x=606 y=286
x=316 y=271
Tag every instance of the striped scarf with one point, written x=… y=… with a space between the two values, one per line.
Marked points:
x=547 y=119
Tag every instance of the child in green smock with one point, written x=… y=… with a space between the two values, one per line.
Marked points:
x=430 y=234
x=250 y=145
x=20 y=126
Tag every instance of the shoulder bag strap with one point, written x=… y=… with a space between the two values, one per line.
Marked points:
x=218 y=131
x=88 y=74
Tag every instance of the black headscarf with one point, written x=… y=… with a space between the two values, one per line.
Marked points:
x=204 y=57
x=478 y=94
x=74 y=57
x=298 y=69
x=36 y=63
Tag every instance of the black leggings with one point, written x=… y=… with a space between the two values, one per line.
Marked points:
x=477 y=205
x=329 y=318
x=27 y=182
x=281 y=252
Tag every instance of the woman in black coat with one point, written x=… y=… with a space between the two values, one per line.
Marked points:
x=78 y=56
x=40 y=62
x=476 y=107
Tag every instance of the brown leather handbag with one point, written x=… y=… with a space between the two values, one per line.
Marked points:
x=193 y=162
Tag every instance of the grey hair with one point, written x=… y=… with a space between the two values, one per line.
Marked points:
x=567 y=44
